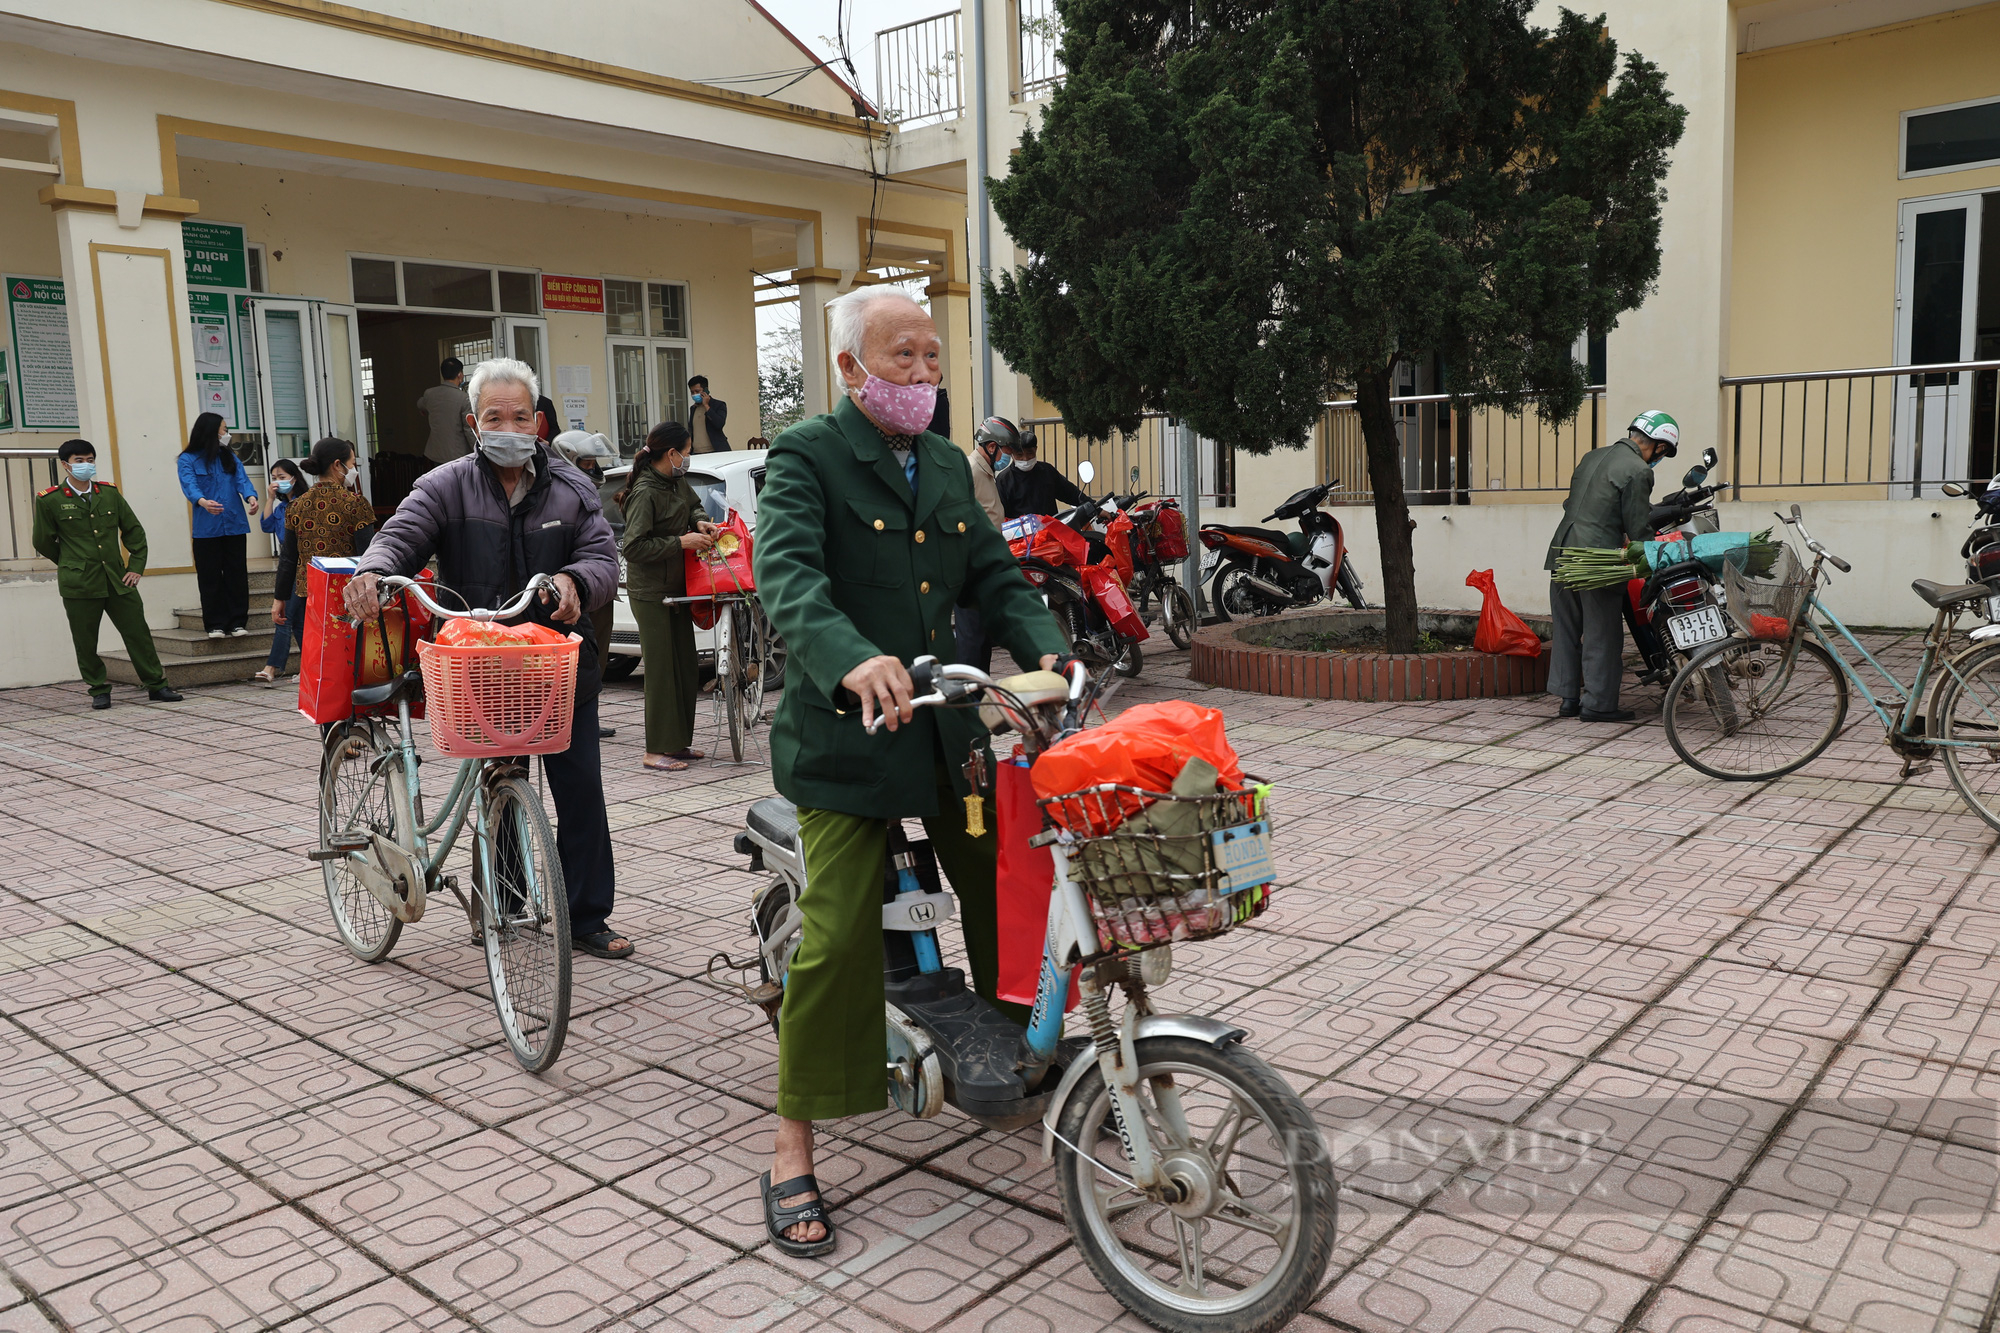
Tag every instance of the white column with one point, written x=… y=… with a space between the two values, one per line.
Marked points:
x=817 y=286
x=951 y=312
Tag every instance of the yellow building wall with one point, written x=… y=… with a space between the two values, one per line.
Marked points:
x=1817 y=126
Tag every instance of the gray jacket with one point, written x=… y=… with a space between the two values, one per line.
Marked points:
x=486 y=550
x=1610 y=501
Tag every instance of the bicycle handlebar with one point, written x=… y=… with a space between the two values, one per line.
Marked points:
x=1797 y=520
x=536 y=585
x=929 y=674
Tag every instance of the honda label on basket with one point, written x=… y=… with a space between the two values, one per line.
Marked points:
x=1695 y=628
x=1243 y=855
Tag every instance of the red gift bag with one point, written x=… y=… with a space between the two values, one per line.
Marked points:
x=1500 y=630
x=722 y=569
x=1021 y=886
x=330 y=667
x=1170 y=534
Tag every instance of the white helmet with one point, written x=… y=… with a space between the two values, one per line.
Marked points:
x=1660 y=428
x=577 y=445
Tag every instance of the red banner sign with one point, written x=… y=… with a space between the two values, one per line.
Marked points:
x=561 y=293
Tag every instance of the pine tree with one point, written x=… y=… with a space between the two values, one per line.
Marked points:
x=1234 y=206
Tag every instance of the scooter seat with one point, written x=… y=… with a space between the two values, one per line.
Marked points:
x=776 y=820
x=1281 y=540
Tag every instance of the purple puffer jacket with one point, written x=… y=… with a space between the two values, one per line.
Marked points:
x=486 y=552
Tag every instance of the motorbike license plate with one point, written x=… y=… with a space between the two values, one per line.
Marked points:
x=1243 y=855
x=1695 y=628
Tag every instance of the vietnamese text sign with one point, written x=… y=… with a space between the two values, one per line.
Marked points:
x=585 y=294
x=43 y=374
x=216 y=254
x=214 y=367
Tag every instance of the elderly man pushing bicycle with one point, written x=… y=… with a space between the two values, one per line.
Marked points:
x=494 y=519
x=868 y=533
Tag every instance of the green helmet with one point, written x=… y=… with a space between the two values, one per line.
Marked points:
x=1661 y=429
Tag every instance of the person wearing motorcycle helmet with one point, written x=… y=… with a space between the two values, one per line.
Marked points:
x=591 y=453
x=990 y=443
x=1028 y=486
x=1609 y=504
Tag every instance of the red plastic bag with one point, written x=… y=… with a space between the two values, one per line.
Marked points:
x=1104 y=586
x=327 y=656
x=1145 y=746
x=1500 y=630
x=1056 y=543
x=723 y=568
x=490 y=634
x=1170 y=534
x=1021 y=887
x=1118 y=537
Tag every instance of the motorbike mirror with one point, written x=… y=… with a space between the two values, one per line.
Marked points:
x=1708 y=457
x=1953 y=489
x=1134 y=483
x=1695 y=476
x=1085 y=472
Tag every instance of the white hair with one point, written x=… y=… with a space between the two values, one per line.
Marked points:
x=502 y=370
x=847 y=320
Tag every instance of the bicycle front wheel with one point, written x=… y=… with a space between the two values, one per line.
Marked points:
x=755 y=659
x=729 y=682
x=358 y=794
x=1177 y=614
x=524 y=915
x=1966 y=709
x=1745 y=710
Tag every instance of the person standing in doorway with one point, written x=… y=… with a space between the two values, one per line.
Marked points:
x=707 y=418
x=79 y=527
x=213 y=480
x=286 y=481
x=446 y=407
x=663 y=518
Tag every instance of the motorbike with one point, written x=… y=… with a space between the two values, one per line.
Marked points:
x=1154 y=538
x=1262 y=571
x=1192 y=1176
x=1677 y=609
x=1073 y=571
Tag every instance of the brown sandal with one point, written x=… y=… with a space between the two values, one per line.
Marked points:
x=688 y=755
x=672 y=765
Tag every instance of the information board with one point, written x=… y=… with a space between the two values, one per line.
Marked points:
x=44 y=376
x=6 y=394
x=216 y=255
x=569 y=293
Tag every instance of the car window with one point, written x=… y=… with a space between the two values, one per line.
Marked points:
x=712 y=493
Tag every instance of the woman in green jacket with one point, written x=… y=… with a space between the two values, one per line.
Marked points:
x=663 y=518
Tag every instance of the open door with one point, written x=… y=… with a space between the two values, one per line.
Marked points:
x=308 y=372
x=1937 y=297
x=342 y=406
x=527 y=340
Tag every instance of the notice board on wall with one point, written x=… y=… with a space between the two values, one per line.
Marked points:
x=44 y=375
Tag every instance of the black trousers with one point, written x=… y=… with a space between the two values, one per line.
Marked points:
x=583 y=828
x=974 y=648
x=223 y=576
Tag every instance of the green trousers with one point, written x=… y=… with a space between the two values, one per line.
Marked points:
x=673 y=675
x=832 y=1044
x=128 y=615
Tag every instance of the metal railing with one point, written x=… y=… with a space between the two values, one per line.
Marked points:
x=916 y=71
x=1040 y=37
x=23 y=480
x=1882 y=432
x=1451 y=453
x=1147 y=459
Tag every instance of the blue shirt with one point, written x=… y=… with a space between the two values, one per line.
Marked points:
x=222 y=480
x=273 y=520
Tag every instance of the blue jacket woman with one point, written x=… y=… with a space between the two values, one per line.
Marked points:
x=213 y=480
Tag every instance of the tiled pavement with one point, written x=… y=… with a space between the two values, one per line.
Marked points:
x=1600 y=1044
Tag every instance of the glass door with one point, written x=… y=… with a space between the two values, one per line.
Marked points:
x=339 y=366
x=631 y=398
x=1937 y=286
x=527 y=340
x=670 y=365
x=288 y=375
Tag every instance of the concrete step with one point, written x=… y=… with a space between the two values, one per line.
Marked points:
x=186 y=642
x=189 y=617
x=183 y=669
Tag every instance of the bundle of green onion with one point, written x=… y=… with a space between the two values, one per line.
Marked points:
x=1586 y=567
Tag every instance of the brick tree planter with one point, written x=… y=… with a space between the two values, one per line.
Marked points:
x=1269 y=656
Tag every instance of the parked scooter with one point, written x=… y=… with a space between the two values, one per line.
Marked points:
x=1262 y=571
x=1192 y=1176
x=1673 y=611
x=1981 y=548
x=1078 y=583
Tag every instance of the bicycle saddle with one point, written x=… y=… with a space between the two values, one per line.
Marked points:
x=373 y=696
x=1937 y=594
x=776 y=819
x=1032 y=688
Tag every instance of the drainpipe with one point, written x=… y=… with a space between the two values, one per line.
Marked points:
x=982 y=350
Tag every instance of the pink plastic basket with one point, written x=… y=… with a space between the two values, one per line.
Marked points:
x=486 y=702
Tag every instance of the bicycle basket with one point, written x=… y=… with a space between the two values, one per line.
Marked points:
x=489 y=701
x=1768 y=606
x=1182 y=868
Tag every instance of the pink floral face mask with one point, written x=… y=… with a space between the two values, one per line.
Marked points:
x=906 y=409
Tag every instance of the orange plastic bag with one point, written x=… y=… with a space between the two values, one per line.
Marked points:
x=1500 y=630
x=723 y=569
x=1103 y=583
x=1056 y=544
x=1118 y=537
x=491 y=634
x=1146 y=746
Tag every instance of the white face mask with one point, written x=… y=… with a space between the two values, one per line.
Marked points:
x=1025 y=464
x=353 y=478
x=506 y=448
x=223 y=439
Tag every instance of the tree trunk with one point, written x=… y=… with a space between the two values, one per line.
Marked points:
x=1392 y=511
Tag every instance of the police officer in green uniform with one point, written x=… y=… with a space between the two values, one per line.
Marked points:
x=1610 y=499
x=80 y=526
x=868 y=533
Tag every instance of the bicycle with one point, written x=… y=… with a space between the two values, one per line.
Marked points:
x=1770 y=700
x=380 y=858
x=748 y=660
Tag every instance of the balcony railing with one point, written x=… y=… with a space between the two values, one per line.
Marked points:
x=1147 y=459
x=916 y=71
x=1882 y=432
x=1451 y=453
x=1040 y=36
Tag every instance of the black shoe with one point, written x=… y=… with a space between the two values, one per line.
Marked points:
x=606 y=733
x=1570 y=708
x=166 y=694
x=100 y=701
x=1622 y=715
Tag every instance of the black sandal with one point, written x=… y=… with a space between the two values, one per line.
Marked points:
x=779 y=1219
x=598 y=944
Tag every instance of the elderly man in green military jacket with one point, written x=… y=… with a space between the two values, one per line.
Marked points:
x=1610 y=500
x=868 y=533
x=81 y=525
